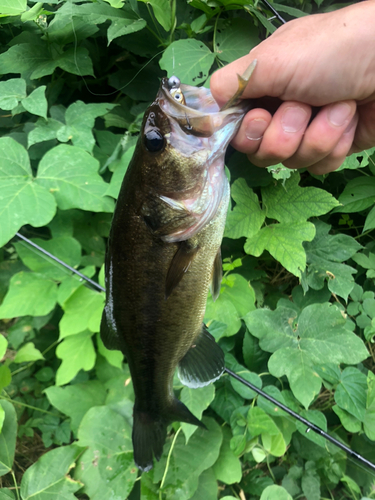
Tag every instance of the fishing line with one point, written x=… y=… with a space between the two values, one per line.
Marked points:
x=310 y=425
x=274 y=11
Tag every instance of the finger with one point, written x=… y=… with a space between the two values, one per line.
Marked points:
x=284 y=134
x=337 y=157
x=253 y=127
x=323 y=134
x=365 y=133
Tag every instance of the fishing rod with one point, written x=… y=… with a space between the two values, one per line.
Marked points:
x=274 y=11
x=310 y=425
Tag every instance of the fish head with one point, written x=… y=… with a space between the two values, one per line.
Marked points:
x=182 y=145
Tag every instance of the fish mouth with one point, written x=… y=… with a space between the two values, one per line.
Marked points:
x=200 y=114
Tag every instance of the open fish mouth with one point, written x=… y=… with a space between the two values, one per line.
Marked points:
x=195 y=109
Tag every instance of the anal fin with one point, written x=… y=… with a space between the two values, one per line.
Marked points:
x=203 y=363
x=217 y=276
x=179 y=265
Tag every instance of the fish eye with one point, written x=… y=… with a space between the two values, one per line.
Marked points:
x=173 y=82
x=154 y=141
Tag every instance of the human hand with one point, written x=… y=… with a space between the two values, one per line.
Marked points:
x=323 y=60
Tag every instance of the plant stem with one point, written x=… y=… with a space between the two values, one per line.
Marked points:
x=15 y=485
x=167 y=464
x=28 y=406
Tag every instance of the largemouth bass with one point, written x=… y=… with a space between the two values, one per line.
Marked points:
x=163 y=254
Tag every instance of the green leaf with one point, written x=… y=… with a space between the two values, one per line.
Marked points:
x=11 y=92
x=124 y=26
x=66 y=249
x=274 y=444
x=190 y=59
x=80 y=119
x=8 y=437
x=228 y=467
x=247 y=217
x=29 y=294
x=36 y=102
x=197 y=400
x=369 y=420
x=325 y=255
x=44 y=130
x=5 y=377
x=358 y=194
x=162 y=11
x=350 y=423
x=12 y=7
x=28 y=352
x=189 y=461
x=49 y=476
x=320 y=336
x=288 y=202
x=3 y=346
x=240 y=388
x=317 y=418
x=79 y=310
x=114 y=358
x=235 y=38
x=207 y=486
x=284 y=242
x=119 y=173
x=350 y=394
x=275 y=493
x=311 y=486
x=77 y=353
x=6 y=494
x=107 y=467
x=75 y=400
x=260 y=423
x=71 y=175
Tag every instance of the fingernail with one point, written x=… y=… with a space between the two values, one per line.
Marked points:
x=293 y=119
x=339 y=113
x=255 y=129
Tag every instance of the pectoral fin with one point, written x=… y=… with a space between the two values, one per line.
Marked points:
x=217 y=275
x=203 y=363
x=179 y=265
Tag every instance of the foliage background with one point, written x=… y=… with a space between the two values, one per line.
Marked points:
x=296 y=314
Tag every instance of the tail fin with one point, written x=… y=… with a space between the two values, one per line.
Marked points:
x=149 y=434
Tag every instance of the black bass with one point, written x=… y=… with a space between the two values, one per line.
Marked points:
x=163 y=254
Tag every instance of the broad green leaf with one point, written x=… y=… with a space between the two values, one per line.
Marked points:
x=311 y=486
x=33 y=13
x=119 y=173
x=28 y=352
x=12 y=7
x=36 y=102
x=75 y=400
x=189 y=461
x=284 y=242
x=49 y=476
x=274 y=444
x=350 y=423
x=163 y=12
x=235 y=38
x=3 y=346
x=197 y=400
x=71 y=175
x=80 y=119
x=190 y=59
x=8 y=437
x=5 y=377
x=317 y=418
x=358 y=194
x=350 y=394
x=107 y=467
x=236 y=299
x=79 y=309
x=275 y=493
x=66 y=249
x=241 y=389
x=325 y=255
x=114 y=357
x=370 y=220
x=14 y=161
x=318 y=337
x=228 y=467
x=124 y=26
x=260 y=423
x=77 y=353
x=37 y=60
x=29 y=294
x=11 y=92
x=6 y=494
x=247 y=217
x=207 y=486
x=44 y=130
x=226 y=399
x=288 y=202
